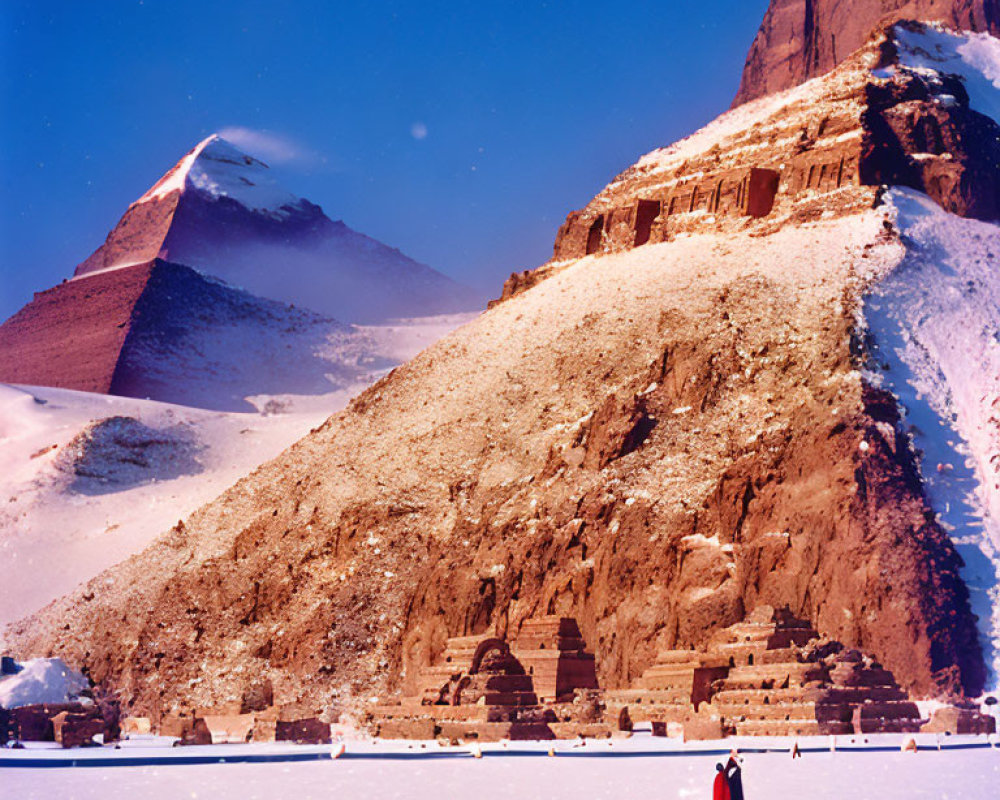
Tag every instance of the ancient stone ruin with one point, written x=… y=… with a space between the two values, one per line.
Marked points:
x=816 y=154
x=486 y=688
x=68 y=724
x=770 y=675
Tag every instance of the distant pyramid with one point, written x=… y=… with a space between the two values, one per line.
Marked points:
x=221 y=211
x=166 y=332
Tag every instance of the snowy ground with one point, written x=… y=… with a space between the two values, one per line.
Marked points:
x=934 y=322
x=72 y=507
x=973 y=57
x=638 y=767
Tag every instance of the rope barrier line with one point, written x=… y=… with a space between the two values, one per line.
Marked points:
x=22 y=762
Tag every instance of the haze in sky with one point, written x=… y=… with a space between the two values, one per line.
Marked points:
x=460 y=133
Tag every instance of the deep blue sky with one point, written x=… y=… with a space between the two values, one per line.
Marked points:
x=529 y=109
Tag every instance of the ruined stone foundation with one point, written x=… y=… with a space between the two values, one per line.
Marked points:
x=540 y=686
x=770 y=675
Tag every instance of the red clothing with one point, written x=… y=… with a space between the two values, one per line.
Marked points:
x=721 y=788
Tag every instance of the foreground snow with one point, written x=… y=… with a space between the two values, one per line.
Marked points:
x=68 y=512
x=637 y=767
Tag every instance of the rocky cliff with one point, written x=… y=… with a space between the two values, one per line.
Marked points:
x=893 y=113
x=653 y=442
x=801 y=39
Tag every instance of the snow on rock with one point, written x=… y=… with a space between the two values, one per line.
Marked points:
x=217 y=168
x=121 y=451
x=223 y=213
x=973 y=57
x=934 y=323
x=41 y=680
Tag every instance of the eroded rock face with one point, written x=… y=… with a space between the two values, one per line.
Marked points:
x=653 y=443
x=801 y=39
x=949 y=152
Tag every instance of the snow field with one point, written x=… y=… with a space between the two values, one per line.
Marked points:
x=54 y=536
x=397 y=770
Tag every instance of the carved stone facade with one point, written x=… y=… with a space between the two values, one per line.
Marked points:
x=814 y=154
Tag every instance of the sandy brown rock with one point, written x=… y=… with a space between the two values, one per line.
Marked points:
x=817 y=151
x=652 y=442
x=800 y=39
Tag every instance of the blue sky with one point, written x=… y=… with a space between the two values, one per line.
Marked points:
x=462 y=133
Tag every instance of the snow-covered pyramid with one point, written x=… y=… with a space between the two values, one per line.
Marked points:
x=221 y=211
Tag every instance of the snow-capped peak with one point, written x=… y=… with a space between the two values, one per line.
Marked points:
x=217 y=168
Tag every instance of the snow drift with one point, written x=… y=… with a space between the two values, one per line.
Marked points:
x=41 y=680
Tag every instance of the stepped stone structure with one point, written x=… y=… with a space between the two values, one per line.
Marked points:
x=486 y=689
x=69 y=724
x=670 y=690
x=771 y=674
x=554 y=654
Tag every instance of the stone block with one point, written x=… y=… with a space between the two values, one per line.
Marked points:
x=952 y=720
x=77 y=729
x=303 y=731
x=698 y=729
x=229 y=728
x=423 y=729
x=136 y=726
x=197 y=733
x=264 y=729
x=175 y=725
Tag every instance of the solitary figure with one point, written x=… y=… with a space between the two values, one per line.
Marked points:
x=734 y=777
x=720 y=791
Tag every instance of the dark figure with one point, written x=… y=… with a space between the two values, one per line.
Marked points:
x=720 y=790
x=734 y=777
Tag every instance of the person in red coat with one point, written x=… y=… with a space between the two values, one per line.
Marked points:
x=720 y=791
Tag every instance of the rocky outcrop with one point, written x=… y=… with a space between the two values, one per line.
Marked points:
x=822 y=152
x=801 y=39
x=944 y=149
x=653 y=443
